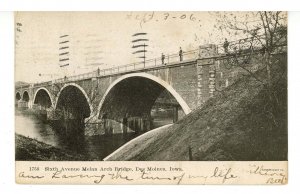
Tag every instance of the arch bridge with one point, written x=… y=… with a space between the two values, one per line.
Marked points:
x=132 y=94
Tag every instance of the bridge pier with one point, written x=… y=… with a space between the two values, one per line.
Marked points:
x=40 y=111
x=175 y=114
x=108 y=128
x=73 y=127
x=140 y=124
x=124 y=125
x=22 y=104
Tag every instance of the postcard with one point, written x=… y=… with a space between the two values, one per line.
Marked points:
x=151 y=97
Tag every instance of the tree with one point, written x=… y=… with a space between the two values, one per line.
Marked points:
x=262 y=31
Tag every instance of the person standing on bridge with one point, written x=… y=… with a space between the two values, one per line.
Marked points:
x=162 y=59
x=98 y=71
x=226 y=45
x=180 y=54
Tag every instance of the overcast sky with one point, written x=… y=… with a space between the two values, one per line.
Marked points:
x=107 y=34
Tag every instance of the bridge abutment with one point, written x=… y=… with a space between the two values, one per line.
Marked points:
x=206 y=73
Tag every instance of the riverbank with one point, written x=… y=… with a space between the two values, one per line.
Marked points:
x=28 y=149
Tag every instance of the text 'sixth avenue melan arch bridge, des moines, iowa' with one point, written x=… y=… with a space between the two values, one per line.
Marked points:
x=131 y=91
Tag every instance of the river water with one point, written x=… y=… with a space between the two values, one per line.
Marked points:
x=92 y=147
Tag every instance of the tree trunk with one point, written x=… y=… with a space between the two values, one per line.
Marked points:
x=268 y=67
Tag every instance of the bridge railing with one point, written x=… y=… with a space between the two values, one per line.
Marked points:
x=155 y=62
x=233 y=47
x=242 y=45
x=150 y=63
x=171 y=58
x=43 y=84
x=81 y=76
x=22 y=86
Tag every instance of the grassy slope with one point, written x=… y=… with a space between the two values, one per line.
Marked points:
x=33 y=150
x=233 y=125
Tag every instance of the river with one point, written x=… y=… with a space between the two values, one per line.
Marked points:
x=92 y=147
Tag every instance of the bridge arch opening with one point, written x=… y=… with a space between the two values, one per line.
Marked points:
x=18 y=96
x=72 y=107
x=25 y=96
x=135 y=97
x=42 y=98
x=74 y=102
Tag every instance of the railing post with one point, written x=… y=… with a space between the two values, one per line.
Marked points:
x=168 y=58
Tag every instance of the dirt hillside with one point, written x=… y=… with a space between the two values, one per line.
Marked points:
x=235 y=124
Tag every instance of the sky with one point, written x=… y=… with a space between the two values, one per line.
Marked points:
x=103 y=38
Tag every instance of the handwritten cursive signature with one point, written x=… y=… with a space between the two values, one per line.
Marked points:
x=261 y=170
x=274 y=175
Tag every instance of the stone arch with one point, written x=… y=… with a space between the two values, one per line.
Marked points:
x=47 y=91
x=80 y=89
x=153 y=78
x=25 y=96
x=18 y=96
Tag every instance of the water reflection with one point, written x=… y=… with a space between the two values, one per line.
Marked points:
x=29 y=125
x=92 y=147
